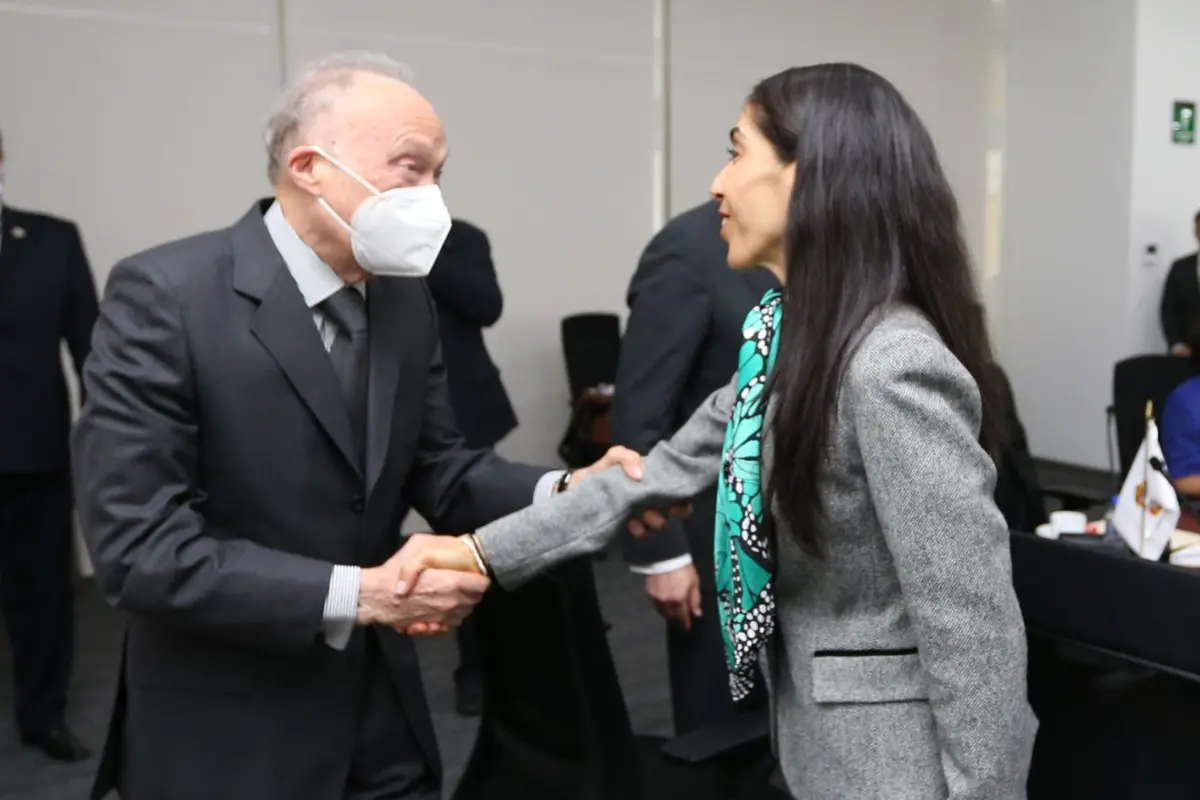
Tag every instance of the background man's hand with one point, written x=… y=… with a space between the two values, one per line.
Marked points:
x=631 y=464
x=440 y=599
x=1181 y=350
x=676 y=595
x=628 y=460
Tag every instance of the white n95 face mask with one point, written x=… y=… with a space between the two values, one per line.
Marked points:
x=397 y=233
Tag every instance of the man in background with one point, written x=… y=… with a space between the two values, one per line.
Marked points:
x=686 y=309
x=1180 y=308
x=47 y=297
x=468 y=298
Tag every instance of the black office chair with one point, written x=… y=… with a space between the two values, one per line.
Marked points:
x=1135 y=381
x=591 y=347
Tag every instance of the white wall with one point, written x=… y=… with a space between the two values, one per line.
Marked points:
x=1090 y=179
x=141 y=118
x=1068 y=162
x=1166 y=176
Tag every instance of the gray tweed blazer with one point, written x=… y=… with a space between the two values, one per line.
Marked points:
x=898 y=670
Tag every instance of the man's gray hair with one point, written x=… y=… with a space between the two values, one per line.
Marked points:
x=312 y=91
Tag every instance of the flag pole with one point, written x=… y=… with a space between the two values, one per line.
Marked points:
x=1146 y=475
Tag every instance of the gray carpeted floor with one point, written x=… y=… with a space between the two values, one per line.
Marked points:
x=636 y=640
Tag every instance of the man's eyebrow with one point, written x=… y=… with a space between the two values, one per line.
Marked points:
x=734 y=133
x=411 y=145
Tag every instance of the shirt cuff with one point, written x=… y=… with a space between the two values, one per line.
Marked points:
x=545 y=485
x=662 y=567
x=341 y=606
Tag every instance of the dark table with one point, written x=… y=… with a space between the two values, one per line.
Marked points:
x=1114 y=672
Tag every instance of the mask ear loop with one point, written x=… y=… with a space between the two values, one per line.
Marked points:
x=321 y=201
x=316 y=148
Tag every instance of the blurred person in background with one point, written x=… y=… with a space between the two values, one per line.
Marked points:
x=680 y=345
x=468 y=298
x=1180 y=308
x=47 y=297
x=1180 y=432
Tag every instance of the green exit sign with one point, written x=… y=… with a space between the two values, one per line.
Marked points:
x=1183 y=123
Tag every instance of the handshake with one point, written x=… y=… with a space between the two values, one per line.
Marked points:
x=433 y=582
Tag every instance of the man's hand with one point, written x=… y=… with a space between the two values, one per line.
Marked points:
x=631 y=464
x=676 y=595
x=1181 y=350
x=441 y=599
x=426 y=552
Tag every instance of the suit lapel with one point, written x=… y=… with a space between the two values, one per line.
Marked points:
x=389 y=302
x=284 y=325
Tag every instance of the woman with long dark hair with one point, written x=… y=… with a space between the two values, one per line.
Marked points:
x=860 y=555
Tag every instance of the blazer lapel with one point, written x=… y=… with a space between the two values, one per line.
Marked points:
x=389 y=302
x=284 y=325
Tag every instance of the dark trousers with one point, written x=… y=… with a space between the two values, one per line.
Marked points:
x=36 y=594
x=696 y=658
x=387 y=761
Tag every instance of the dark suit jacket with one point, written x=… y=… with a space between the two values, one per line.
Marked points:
x=217 y=489
x=1180 y=309
x=464 y=286
x=46 y=297
x=686 y=309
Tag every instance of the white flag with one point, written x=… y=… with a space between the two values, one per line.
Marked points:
x=1148 y=509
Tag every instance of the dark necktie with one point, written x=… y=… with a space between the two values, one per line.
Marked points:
x=348 y=310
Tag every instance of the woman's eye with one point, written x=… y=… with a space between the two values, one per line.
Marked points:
x=732 y=153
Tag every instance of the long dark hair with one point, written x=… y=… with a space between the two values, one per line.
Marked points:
x=871 y=222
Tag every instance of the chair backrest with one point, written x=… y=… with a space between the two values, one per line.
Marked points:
x=591 y=345
x=1138 y=380
x=554 y=722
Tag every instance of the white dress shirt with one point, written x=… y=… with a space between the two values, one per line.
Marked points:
x=317 y=283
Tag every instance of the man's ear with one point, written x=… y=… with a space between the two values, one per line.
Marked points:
x=301 y=165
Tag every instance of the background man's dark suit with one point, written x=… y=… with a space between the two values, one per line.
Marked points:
x=464 y=287
x=468 y=298
x=218 y=486
x=1180 y=311
x=46 y=297
x=680 y=345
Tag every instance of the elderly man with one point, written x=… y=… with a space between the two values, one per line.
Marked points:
x=265 y=403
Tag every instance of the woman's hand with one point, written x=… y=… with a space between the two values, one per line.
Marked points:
x=425 y=551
